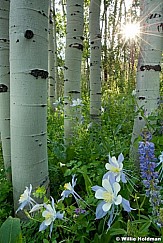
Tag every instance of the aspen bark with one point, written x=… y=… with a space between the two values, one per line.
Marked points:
x=95 y=60
x=51 y=70
x=72 y=73
x=28 y=75
x=149 y=66
x=105 y=66
x=5 y=86
x=56 y=76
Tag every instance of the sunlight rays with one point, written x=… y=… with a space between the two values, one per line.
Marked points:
x=140 y=32
x=131 y=30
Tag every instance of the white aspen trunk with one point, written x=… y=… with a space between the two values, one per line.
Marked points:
x=56 y=76
x=5 y=86
x=28 y=74
x=149 y=66
x=95 y=60
x=51 y=69
x=72 y=74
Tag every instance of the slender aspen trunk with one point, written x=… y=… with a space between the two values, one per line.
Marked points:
x=105 y=43
x=5 y=86
x=115 y=12
x=56 y=76
x=72 y=74
x=95 y=60
x=149 y=66
x=51 y=70
x=28 y=74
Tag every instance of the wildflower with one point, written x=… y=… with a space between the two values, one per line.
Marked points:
x=36 y=207
x=160 y=165
x=102 y=109
x=50 y=215
x=134 y=92
x=69 y=189
x=161 y=157
x=77 y=102
x=126 y=205
x=89 y=126
x=149 y=175
x=115 y=168
x=58 y=102
x=25 y=199
x=79 y=211
x=61 y=164
x=109 y=193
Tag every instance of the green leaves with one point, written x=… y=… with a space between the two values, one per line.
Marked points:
x=88 y=183
x=10 y=231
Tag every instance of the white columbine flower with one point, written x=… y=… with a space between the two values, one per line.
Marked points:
x=102 y=109
x=109 y=194
x=115 y=168
x=57 y=102
x=161 y=157
x=50 y=215
x=134 y=92
x=69 y=189
x=37 y=207
x=25 y=199
x=160 y=165
x=77 y=102
x=110 y=199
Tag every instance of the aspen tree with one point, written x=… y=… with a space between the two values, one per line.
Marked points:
x=105 y=66
x=51 y=69
x=5 y=86
x=95 y=59
x=56 y=76
x=149 y=65
x=28 y=75
x=72 y=73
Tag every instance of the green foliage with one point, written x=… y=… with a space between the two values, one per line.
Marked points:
x=10 y=231
x=30 y=232
x=6 y=208
x=86 y=157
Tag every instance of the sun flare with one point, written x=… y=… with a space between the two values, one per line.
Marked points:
x=131 y=30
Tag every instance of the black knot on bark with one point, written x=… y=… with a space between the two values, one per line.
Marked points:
x=28 y=34
x=141 y=97
x=39 y=73
x=3 y=88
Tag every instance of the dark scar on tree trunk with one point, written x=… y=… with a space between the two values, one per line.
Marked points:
x=77 y=45
x=153 y=16
x=74 y=92
x=4 y=40
x=42 y=73
x=3 y=88
x=141 y=97
x=28 y=34
x=150 y=67
x=160 y=27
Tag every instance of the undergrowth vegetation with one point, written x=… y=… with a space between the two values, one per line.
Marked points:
x=86 y=158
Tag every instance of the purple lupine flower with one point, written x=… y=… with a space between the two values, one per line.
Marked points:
x=147 y=170
x=79 y=211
